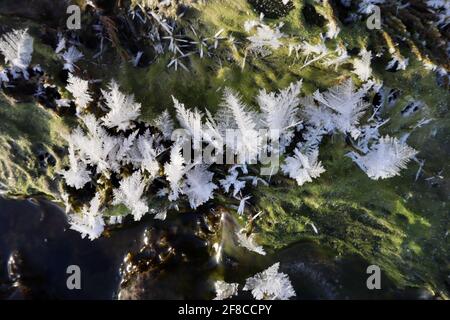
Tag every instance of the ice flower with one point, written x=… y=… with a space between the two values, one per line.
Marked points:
x=17 y=47
x=385 y=159
x=123 y=110
x=130 y=193
x=90 y=223
x=270 y=285
x=303 y=167
x=225 y=290
x=199 y=186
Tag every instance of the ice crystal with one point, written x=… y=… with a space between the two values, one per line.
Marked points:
x=270 y=285
x=130 y=194
x=199 y=186
x=225 y=290
x=71 y=56
x=280 y=112
x=361 y=67
x=385 y=159
x=303 y=167
x=347 y=105
x=78 y=175
x=90 y=223
x=17 y=47
x=123 y=110
x=248 y=242
x=174 y=171
x=79 y=89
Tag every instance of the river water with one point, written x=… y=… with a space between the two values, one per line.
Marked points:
x=36 y=248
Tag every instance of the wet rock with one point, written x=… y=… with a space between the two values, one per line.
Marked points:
x=272 y=8
x=174 y=261
x=21 y=285
x=312 y=17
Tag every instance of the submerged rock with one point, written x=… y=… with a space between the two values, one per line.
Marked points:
x=174 y=261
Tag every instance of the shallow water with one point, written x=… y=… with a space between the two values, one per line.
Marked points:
x=37 y=236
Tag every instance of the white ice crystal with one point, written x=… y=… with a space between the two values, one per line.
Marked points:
x=367 y=6
x=90 y=223
x=248 y=242
x=332 y=29
x=231 y=180
x=17 y=47
x=165 y=124
x=96 y=146
x=303 y=167
x=442 y=9
x=266 y=37
x=398 y=62
x=123 y=110
x=385 y=159
x=3 y=76
x=242 y=203
x=225 y=290
x=79 y=89
x=361 y=67
x=119 y=155
x=270 y=285
x=130 y=194
x=347 y=105
x=340 y=57
x=61 y=44
x=190 y=121
x=234 y=114
x=71 y=56
x=198 y=186
x=78 y=175
x=144 y=152
x=174 y=171
x=280 y=112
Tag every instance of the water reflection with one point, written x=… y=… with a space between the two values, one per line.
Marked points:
x=173 y=259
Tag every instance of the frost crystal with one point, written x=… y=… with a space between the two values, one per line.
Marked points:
x=366 y=6
x=384 y=159
x=234 y=114
x=174 y=171
x=303 y=168
x=79 y=90
x=71 y=56
x=266 y=37
x=144 y=152
x=270 y=285
x=231 y=180
x=17 y=47
x=91 y=222
x=361 y=67
x=190 y=121
x=130 y=194
x=347 y=104
x=77 y=176
x=164 y=123
x=248 y=242
x=96 y=147
x=198 y=186
x=225 y=290
x=122 y=108
x=280 y=112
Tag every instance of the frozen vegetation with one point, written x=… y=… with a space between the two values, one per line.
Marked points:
x=313 y=99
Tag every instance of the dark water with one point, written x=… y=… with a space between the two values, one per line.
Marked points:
x=40 y=234
x=36 y=235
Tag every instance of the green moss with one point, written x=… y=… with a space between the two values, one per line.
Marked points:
x=27 y=131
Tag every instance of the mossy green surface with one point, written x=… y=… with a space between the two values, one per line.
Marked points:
x=27 y=131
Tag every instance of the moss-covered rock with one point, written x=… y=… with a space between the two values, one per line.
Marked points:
x=400 y=224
